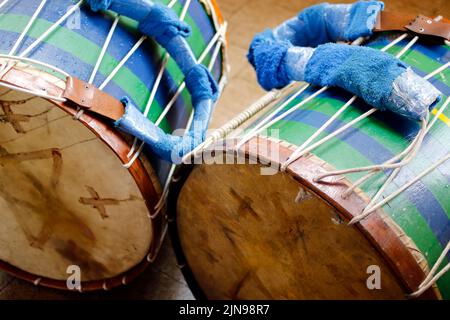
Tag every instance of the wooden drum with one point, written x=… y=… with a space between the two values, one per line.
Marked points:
x=241 y=232
x=70 y=194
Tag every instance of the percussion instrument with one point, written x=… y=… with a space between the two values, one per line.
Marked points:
x=243 y=229
x=74 y=191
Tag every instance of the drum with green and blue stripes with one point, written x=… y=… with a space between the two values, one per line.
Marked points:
x=423 y=210
x=76 y=45
x=73 y=190
x=246 y=230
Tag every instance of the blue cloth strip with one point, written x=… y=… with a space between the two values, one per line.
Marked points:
x=267 y=56
x=383 y=81
x=325 y=23
x=99 y=5
x=166 y=146
x=163 y=24
x=355 y=69
x=200 y=82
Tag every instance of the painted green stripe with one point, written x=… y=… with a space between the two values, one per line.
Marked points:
x=407 y=216
x=84 y=50
x=87 y=51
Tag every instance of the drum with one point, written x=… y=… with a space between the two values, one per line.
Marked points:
x=246 y=223
x=75 y=195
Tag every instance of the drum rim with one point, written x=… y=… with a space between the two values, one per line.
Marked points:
x=117 y=143
x=375 y=228
x=144 y=177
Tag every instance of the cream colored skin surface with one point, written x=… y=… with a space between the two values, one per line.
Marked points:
x=65 y=198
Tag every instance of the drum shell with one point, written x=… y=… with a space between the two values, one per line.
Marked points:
x=419 y=235
x=75 y=48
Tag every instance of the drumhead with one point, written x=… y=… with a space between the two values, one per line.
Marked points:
x=241 y=234
x=78 y=192
x=65 y=198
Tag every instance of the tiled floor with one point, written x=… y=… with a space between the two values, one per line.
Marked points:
x=163 y=280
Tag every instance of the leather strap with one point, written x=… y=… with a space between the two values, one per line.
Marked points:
x=88 y=97
x=393 y=21
x=427 y=26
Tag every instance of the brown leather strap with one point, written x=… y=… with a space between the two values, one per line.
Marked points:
x=392 y=21
x=422 y=25
x=427 y=26
x=88 y=97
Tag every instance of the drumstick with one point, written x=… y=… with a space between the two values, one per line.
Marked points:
x=299 y=152
x=256 y=107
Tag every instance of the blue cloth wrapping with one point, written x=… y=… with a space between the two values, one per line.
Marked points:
x=363 y=16
x=163 y=24
x=134 y=9
x=355 y=69
x=99 y=5
x=201 y=84
x=325 y=23
x=267 y=57
x=168 y=147
x=383 y=81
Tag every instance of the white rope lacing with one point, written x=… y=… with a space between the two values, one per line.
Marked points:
x=50 y=30
x=267 y=122
x=368 y=176
x=100 y=58
x=41 y=93
x=217 y=37
x=35 y=44
x=3 y=3
x=27 y=28
x=169 y=179
x=240 y=119
x=301 y=151
x=432 y=277
x=154 y=90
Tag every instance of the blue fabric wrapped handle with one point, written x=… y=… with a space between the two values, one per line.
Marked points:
x=165 y=27
x=99 y=5
x=267 y=56
x=300 y=50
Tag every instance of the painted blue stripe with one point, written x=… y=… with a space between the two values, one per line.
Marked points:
x=419 y=195
x=95 y=27
x=425 y=202
x=366 y=145
x=432 y=150
x=439 y=53
x=74 y=66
